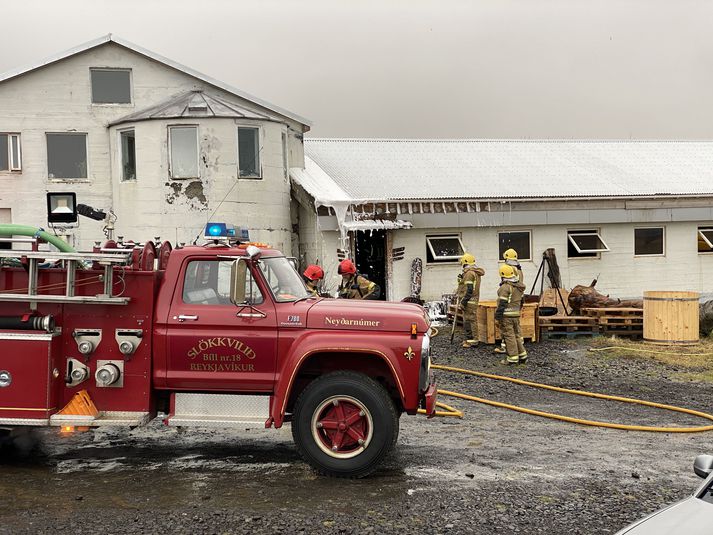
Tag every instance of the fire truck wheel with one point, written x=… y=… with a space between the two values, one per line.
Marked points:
x=344 y=424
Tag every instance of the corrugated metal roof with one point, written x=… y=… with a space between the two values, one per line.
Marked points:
x=410 y=169
x=155 y=57
x=195 y=104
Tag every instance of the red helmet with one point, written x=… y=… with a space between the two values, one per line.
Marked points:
x=313 y=273
x=346 y=267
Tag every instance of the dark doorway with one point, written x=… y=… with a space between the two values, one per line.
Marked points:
x=370 y=256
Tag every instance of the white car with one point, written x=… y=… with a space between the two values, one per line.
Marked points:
x=692 y=516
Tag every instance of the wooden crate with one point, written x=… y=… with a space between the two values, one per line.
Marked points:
x=488 y=330
x=551 y=299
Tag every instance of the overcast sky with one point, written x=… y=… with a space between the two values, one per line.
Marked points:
x=418 y=68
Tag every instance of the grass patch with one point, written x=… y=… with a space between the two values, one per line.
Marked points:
x=696 y=360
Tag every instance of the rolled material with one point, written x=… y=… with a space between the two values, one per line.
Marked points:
x=32 y=323
x=24 y=230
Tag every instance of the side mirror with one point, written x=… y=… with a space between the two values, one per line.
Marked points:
x=703 y=465
x=253 y=252
x=238 y=277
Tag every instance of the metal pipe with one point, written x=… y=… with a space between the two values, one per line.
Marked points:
x=31 y=323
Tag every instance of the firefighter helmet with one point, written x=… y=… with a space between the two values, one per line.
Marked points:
x=313 y=273
x=346 y=267
x=467 y=259
x=510 y=254
x=507 y=271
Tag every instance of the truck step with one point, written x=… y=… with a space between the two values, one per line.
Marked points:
x=107 y=418
x=219 y=410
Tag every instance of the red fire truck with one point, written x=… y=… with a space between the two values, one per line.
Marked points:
x=219 y=335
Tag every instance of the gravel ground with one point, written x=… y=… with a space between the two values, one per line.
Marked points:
x=494 y=471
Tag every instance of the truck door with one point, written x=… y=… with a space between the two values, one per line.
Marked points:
x=214 y=345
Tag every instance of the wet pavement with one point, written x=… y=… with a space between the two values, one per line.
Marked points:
x=494 y=471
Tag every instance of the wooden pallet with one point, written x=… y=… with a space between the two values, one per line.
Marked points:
x=559 y=335
x=568 y=323
x=623 y=321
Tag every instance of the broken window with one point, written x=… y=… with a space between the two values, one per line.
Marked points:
x=183 y=141
x=249 y=152
x=10 y=152
x=584 y=243
x=444 y=248
x=128 y=155
x=518 y=240
x=649 y=241
x=111 y=86
x=705 y=239
x=67 y=155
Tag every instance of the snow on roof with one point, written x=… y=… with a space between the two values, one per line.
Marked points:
x=319 y=185
x=155 y=57
x=194 y=104
x=413 y=169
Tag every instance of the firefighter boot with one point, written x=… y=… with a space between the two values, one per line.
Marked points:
x=522 y=357
x=500 y=348
x=470 y=340
x=510 y=361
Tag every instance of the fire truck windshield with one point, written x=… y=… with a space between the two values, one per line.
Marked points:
x=285 y=283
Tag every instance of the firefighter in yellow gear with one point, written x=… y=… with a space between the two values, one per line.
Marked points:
x=510 y=259
x=510 y=295
x=354 y=285
x=468 y=295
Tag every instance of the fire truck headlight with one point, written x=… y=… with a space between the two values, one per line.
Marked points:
x=425 y=371
x=5 y=378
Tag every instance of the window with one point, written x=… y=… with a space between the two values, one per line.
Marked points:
x=67 y=155
x=183 y=141
x=518 y=240
x=10 y=152
x=128 y=155
x=111 y=86
x=585 y=243
x=284 y=281
x=648 y=241
x=207 y=282
x=705 y=239
x=249 y=152
x=440 y=249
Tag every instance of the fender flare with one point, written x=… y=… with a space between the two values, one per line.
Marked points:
x=285 y=384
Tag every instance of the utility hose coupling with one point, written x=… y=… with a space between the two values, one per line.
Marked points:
x=28 y=323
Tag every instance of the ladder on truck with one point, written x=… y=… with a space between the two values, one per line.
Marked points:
x=71 y=262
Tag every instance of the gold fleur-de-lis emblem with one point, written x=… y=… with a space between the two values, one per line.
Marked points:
x=409 y=354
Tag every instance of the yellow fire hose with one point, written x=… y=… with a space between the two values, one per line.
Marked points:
x=450 y=411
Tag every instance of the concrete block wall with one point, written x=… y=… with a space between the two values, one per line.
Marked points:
x=621 y=274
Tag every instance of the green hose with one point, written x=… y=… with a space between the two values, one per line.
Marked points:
x=34 y=232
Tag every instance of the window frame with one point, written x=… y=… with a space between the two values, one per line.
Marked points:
x=120 y=135
x=170 y=127
x=663 y=240
x=11 y=156
x=112 y=104
x=529 y=240
x=86 y=153
x=258 y=153
x=586 y=232
x=187 y=276
x=699 y=232
x=441 y=259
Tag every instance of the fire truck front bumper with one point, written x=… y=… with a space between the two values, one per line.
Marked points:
x=429 y=399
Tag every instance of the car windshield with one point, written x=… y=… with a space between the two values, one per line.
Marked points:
x=284 y=282
x=707 y=495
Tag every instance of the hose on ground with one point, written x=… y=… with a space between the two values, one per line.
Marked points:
x=594 y=423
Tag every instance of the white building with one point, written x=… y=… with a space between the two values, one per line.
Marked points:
x=163 y=146
x=637 y=215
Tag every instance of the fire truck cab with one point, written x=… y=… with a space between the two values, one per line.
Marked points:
x=218 y=335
